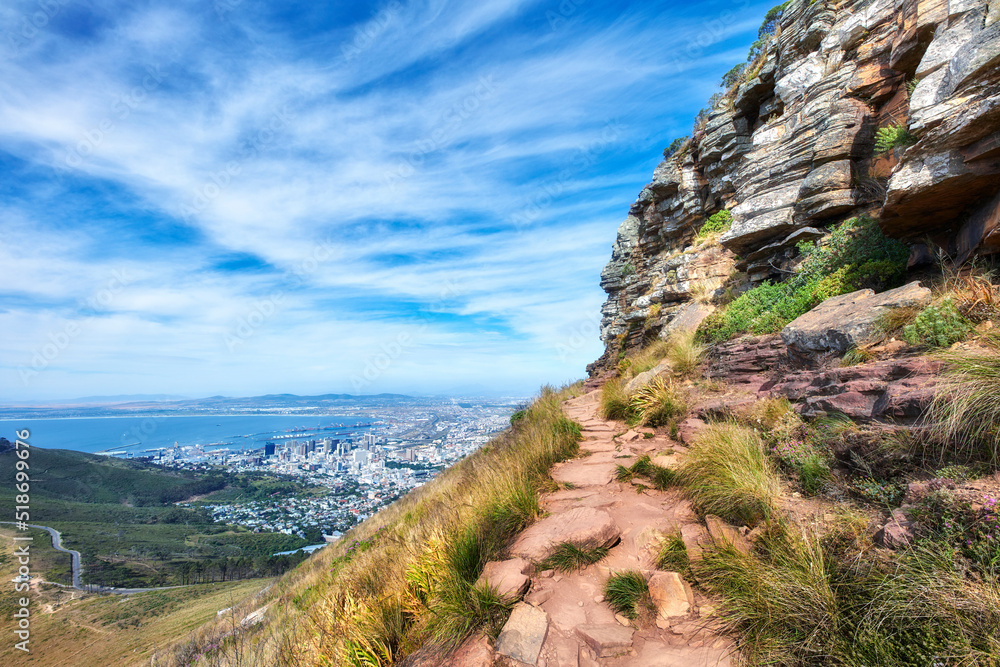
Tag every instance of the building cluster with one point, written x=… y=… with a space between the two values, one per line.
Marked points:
x=362 y=472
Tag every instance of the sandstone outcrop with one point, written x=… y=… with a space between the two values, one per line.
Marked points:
x=790 y=151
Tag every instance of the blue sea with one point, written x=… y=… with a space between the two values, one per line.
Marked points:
x=136 y=435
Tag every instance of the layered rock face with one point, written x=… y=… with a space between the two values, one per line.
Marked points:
x=792 y=151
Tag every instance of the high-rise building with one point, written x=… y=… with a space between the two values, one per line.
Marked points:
x=268 y=449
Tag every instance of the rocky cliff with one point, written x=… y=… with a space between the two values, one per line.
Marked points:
x=790 y=149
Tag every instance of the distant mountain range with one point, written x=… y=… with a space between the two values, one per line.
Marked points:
x=95 y=406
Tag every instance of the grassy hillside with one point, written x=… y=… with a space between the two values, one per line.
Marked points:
x=61 y=474
x=68 y=628
x=120 y=516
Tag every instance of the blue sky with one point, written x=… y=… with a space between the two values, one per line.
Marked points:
x=244 y=197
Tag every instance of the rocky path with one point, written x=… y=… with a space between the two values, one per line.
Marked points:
x=563 y=620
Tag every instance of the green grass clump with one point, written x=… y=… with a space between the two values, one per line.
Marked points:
x=623 y=474
x=656 y=404
x=937 y=326
x=661 y=478
x=893 y=136
x=854 y=256
x=965 y=414
x=568 y=557
x=728 y=473
x=672 y=554
x=628 y=594
x=781 y=602
x=803 y=457
x=615 y=401
x=718 y=223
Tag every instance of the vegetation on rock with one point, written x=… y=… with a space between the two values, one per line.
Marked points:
x=891 y=137
x=854 y=256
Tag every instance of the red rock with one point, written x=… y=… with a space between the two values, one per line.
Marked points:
x=688 y=429
x=671 y=594
x=584 y=526
x=723 y=533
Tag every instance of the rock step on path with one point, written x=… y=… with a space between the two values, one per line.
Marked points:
x=562 y=620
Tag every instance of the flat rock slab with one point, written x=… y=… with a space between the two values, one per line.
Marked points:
x=523 y=634
x=507 y=577
x=606 y=641
x=672 y=595
x=579 y=473
x=658 y=654
x=586 y=527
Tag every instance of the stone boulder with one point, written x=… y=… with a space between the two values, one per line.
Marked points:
x=642 y=379
x=845 y=321
x=586 y=527
x=671 y=594
x=723 y=533
x=507 y=577
x=523 y=634
x=689 y=429
x=898 y=532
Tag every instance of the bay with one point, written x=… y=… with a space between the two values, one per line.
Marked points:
x=136 y=434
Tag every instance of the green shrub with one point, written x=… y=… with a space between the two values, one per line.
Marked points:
x=674 y=146
x=734 y=77
x=884 y=493
x=628 y=594
x=856 y=255
x=717 y=223
x=772 y=19
x=894 y=136
x=937 y=326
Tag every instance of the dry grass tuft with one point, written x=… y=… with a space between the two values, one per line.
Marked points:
x=656 y=404
x=965 y=413
x=684 y=353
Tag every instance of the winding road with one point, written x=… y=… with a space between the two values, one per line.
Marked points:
x=57 y=545
x=77 y=568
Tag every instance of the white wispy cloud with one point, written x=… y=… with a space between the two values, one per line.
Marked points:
x=470 y=160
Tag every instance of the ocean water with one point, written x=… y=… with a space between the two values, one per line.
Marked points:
x=138 y=434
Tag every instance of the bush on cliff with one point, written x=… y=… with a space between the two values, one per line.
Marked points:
x=717 y=223
x=856 y=255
